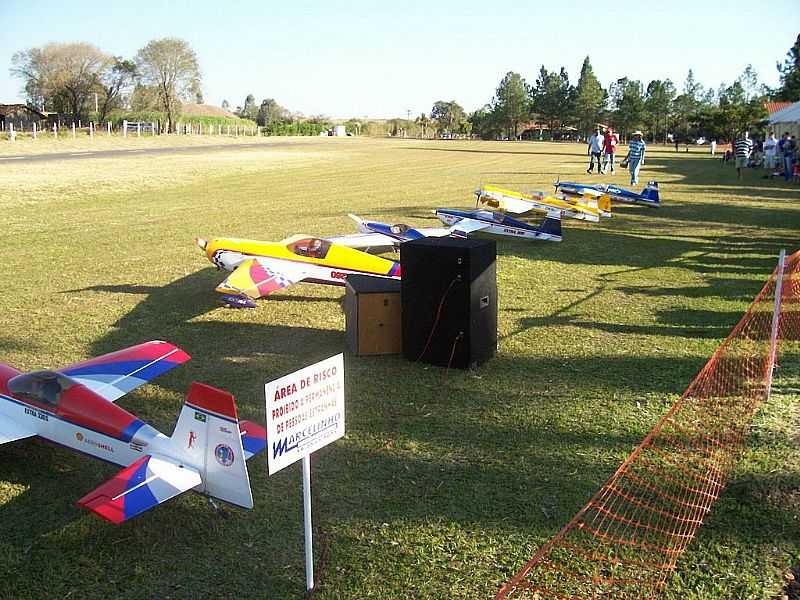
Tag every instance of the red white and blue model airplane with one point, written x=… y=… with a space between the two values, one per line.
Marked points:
x=648 y=196
x=374 y=234
x=74 y=407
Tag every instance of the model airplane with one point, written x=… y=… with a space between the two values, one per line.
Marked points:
x=74 y=407
x=261 y=268
x=587 y=209
x=648 y=196
x=374 y=234
x=465 y=222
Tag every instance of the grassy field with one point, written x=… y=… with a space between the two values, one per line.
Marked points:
x=447 y=481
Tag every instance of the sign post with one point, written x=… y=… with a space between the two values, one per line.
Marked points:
x=305 y=412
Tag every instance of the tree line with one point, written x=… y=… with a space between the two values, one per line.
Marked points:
x=78 y=80
x=555 y=107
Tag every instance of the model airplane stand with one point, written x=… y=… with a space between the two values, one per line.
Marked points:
x=449 y=296
x=372 y=315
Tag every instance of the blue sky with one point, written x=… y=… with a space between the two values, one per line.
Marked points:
x=371 y=58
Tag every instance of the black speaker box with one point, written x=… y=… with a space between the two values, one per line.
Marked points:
x=449 y=299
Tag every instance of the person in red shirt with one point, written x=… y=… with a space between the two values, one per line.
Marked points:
x=609 y=148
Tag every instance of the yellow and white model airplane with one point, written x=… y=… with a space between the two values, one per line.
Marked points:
x=589 y=206
x=261 y=268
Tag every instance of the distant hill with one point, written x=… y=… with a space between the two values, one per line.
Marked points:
x=204 y=110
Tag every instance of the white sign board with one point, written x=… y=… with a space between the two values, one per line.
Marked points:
x=305 y=411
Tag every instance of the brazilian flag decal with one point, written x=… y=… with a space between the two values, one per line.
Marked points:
x=200 y=416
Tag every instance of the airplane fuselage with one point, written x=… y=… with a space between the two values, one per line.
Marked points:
x=506 y=226
x=340 y=262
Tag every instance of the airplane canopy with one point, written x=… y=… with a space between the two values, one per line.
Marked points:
x=44 y=387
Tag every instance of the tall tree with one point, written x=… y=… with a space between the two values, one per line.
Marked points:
x=629 y=105
x=170 y=65
x=551 y=97
x=448 y=115
x=249 y=110
x=271 y=112
x=115 y=82
x=590 y=98
x=484 y=123
x=511 y=105
x=749 y=82
x=60 y=76
x=657 y=104
x=423 y=121
x=790 y=74
x=686 y=106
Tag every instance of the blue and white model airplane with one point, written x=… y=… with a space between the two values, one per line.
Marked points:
x=374 y=234
x=648 y=196
x=464 y=222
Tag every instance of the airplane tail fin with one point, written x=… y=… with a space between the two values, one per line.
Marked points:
x=208 y=435
x=651 y=191
x=552 y=224
x=604 y=203
x=360 y=222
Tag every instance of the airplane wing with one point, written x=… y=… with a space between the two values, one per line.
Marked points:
x=364 y=240
x=466 y=226
x=144 y=484
x=114 y=375
x=258 y=277
x=11 y=432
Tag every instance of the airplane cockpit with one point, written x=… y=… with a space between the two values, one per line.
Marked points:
x=490 y=215
x=41 y=387
x=311 y=247
x=399 y=229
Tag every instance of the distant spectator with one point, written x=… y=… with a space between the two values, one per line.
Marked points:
x=789 y=155
x=713 y=147
x=595 y=150
x=676 y=143
x=770 y=154
x=635 y=157
x=742 y=149
x=610 y=141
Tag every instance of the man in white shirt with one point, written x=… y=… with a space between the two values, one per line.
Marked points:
x=595 y=150
x=770 y=154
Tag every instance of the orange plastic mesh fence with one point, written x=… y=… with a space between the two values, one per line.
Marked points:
x=625 y=542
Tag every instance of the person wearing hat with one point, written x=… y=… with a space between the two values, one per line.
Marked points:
x=610 y=142
x=635 y=157
x=595 y=149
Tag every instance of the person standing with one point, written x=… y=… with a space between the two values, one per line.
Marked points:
x=610 y=141
x=770 y=154
x=595 y=150
x=713 y=147
x=635 y=156
x=742 y=149
x=788 y=148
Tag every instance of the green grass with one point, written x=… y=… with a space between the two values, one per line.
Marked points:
x=446 y=481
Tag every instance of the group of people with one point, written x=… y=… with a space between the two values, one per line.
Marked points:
x=603 y=147
x=776 y=156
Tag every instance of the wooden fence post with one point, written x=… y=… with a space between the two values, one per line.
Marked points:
x=108 y=127
x=11 y=135
x=91 y=130
x=55 y=130
x=73 y=129
x=125 y=128
x=138 y=129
